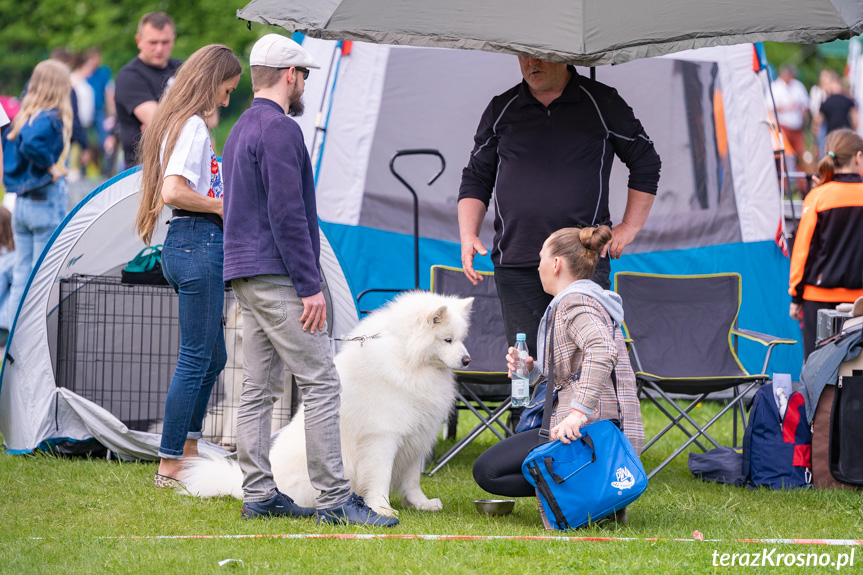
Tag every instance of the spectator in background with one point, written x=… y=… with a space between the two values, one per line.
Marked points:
x=7 y=268
x=86 y=110
x=105 y=118
x=792 y=106
x=817 y=94
x=35 y=153
x=81 y=70
x=4 y=121
x=79 y=134
x=142 y=81
x=828 y=249
x=838 y=110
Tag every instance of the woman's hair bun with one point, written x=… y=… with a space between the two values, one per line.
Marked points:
x=594 y=239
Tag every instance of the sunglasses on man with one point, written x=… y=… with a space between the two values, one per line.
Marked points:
x=303 y=71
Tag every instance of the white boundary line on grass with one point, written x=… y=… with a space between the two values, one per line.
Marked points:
x=366 y=536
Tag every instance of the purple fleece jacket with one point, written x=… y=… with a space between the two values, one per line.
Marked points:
x=271 y=219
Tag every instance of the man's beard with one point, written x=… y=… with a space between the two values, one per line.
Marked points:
x=296 y=106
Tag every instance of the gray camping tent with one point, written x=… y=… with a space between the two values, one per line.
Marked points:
x=580 y=32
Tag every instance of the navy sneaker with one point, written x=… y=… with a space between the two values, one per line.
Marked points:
x=279 y=506
x=354 y=511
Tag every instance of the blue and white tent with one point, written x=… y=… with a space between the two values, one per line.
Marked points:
x=96 y=238
x=718 y=208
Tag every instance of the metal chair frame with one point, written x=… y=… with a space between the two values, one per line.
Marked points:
x=650 y=386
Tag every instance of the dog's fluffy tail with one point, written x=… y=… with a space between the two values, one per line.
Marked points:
x=206 y=477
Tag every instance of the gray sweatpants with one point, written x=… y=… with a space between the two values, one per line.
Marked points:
x=273 y=338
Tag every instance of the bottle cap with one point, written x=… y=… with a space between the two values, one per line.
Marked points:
x=520 y=337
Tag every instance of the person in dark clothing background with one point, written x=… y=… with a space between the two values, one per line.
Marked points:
x=838 y=110
x=142 y=81
x=544 y=150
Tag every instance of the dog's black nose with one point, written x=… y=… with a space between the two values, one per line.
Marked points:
x=465 y=360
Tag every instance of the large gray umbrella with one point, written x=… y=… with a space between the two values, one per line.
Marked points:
x=581 y=32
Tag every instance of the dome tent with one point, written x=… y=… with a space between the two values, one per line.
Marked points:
x=95 y=239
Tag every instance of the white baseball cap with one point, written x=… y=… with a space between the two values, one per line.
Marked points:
x=276 y=51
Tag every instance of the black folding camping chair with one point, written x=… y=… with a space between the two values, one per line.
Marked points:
x=484 y=383
x=683 y=340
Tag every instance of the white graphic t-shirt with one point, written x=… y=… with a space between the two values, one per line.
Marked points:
x=193 y=158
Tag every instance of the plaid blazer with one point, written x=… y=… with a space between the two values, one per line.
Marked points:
x=587 y=346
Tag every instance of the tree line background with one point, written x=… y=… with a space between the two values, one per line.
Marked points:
x=30 y=30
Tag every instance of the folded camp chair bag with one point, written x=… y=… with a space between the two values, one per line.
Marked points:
x=846 y=431
x=722 y=465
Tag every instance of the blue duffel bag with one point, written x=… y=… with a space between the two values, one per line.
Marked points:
x=587 y=479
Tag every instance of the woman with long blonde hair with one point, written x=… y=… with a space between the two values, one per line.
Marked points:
x=179 y=169
x=35 y=151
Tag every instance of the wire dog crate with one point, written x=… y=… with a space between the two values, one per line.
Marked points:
x=118 y=345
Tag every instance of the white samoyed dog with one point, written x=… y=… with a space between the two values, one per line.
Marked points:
x=397 y=389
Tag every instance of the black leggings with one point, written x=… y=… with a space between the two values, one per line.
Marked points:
x=498 y=469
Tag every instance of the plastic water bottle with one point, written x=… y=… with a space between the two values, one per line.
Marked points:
x=521 y=375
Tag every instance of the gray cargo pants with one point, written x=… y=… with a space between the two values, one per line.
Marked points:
x=273 y=338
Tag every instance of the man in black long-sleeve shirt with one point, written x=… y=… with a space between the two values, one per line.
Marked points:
x=545 y=148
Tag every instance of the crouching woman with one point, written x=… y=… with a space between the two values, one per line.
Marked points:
x=588 y=344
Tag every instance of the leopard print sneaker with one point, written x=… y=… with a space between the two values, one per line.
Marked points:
x=165 y=482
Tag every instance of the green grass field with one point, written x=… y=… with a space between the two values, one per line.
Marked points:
x=96 y=516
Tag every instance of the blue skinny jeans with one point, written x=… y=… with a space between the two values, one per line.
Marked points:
x=34 y=220
x=192 y=262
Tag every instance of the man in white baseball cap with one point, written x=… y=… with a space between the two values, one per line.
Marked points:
x=278 y=53
x=272 y=259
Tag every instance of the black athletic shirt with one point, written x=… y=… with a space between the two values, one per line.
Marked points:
x=138 y=83
x=835 y=110
x=549 y=167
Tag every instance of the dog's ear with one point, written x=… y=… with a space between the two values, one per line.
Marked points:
x=438 y=315
x=467 y=304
